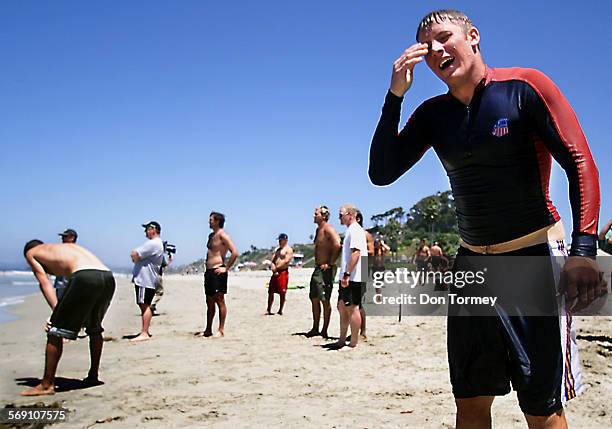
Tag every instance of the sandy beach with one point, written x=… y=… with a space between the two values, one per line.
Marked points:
x=263 y=374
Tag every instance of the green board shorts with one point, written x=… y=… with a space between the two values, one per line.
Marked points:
x=84 y=303
x=322 y=282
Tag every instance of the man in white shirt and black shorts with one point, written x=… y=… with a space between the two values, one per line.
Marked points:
x=352 y=283
x=147 y=262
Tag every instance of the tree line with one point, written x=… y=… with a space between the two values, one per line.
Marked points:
x=430 y=219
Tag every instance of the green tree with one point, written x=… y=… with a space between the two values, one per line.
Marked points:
x=435 y=212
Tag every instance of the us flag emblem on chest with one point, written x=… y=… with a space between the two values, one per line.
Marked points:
x=500 y=128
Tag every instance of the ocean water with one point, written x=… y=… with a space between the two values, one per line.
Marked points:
x=14 y=287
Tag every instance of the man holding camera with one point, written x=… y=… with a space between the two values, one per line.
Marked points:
x=169 y=250
x=147 y=264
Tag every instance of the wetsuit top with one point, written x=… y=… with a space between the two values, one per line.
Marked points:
x=497 y=154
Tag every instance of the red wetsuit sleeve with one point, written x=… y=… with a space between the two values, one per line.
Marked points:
x=392 y=154
x=556 y=124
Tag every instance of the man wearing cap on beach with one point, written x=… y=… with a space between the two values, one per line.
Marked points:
x=215 y=276
x=327 y=248
x=495 y=131
x=84 y=304
x=352 y=284
x=281 y=258
x=147 y=261
x=68 y=236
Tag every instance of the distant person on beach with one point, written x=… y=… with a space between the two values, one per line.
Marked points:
x=84 y=304
x=327 y=249
x=421 y=259
x=370 y=244
x=495 y=132
x=159 y=284
x=147 y=261
x=215 y=276
x=380 y=252
x=61 y=282
x=352 y=284
x=281 y=258
x=438 y=263
x=381 y=249
x=437 y=256
x=422 y=255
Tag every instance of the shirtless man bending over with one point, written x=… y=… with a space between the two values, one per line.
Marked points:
x=89 y=292
x=215 y=277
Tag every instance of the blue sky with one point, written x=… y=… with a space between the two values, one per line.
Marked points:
x=116 y=113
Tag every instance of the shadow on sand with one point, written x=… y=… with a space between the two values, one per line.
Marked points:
x=62 y=384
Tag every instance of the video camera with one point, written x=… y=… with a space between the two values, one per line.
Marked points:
x=169 y=248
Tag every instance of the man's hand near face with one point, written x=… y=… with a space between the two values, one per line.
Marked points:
x=402 y=75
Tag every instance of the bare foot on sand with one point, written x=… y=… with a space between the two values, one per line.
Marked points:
x=218 y=334
x=312 y=333
x=39 y=391
x=280 y=313
x=269 y=313
x=140 y=338
x=324 y=334
x=364 y=337
x=203 y=334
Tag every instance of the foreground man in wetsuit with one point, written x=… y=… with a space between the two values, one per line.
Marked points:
x=494 y=132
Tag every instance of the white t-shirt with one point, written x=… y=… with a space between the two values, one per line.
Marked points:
x=146 y=270
x=355 y=238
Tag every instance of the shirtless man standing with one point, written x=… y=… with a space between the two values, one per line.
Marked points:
x=380 y=250
x=282 y=257
x=215 y=277
x=421 y=257
x=436 y=256
x=90 y=288
x=327 y=250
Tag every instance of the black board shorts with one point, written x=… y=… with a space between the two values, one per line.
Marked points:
x=144 y=295
x=214 y=283
x=352 y=294
x=84 y=304
x=536 y=354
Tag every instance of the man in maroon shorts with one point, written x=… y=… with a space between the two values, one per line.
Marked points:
x=282 y=257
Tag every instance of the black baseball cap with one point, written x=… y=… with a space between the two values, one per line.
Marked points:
x=154 y=224
x=69 y=232
x=283 y=236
